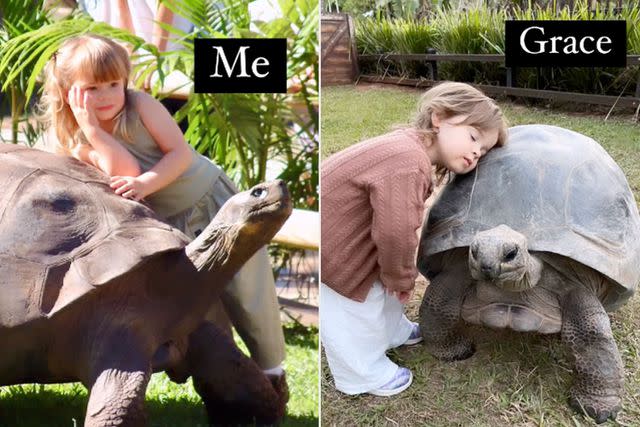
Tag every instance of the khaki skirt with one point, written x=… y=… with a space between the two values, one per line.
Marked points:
x=193 y=221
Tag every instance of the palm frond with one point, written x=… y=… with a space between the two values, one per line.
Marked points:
x=29 y=52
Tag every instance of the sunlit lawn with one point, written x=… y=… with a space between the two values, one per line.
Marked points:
x=168 y=403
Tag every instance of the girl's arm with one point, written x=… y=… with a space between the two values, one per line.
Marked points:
x=83 y=152
x=168 y=136
x=160 y=35
x=108 y=155
x=397 y=202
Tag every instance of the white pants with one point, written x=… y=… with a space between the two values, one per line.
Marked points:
x=356 y=336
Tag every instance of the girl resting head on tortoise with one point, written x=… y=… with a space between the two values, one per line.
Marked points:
x=372 y=199
x=129 y=135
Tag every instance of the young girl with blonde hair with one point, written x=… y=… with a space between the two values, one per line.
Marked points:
x=93 y=116
x=372 y=198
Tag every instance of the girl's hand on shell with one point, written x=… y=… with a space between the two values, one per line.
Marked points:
x=129 y=187
x=81 y=104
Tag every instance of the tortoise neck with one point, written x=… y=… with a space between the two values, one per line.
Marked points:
x=211 y=250
x=223 y=248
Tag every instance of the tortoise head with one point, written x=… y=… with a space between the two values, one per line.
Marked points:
x=245 y=223
x=259 y=211
x=500 y=255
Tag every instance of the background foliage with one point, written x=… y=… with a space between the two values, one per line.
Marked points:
x=477 y=27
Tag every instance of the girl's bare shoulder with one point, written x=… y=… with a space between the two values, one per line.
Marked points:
x=148 y=108
x=140 y=100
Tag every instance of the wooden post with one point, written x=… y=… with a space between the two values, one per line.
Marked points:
x=511 y=76
x=433 y=65
x=354 y=48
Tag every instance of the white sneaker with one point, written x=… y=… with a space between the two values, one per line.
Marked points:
x=399 y=383
x=416 y=335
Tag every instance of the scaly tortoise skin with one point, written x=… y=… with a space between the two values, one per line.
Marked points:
x=95 y=288
x=543 y=236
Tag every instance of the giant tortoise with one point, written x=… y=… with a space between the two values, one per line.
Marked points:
x=543 y=236
x=95 y=288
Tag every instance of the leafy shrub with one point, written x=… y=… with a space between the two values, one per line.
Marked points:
x=481 y=31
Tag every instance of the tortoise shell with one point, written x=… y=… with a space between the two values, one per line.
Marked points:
x=64 y=232
x=557 y=187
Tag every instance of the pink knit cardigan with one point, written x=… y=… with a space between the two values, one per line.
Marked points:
x=372 y=199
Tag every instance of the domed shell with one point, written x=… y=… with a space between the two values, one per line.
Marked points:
x=557 y=187
x=63 y=232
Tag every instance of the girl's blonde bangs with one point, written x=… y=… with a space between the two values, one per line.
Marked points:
x=101 y=62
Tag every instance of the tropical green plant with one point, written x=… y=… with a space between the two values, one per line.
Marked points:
x=241 y=132
x=387 y=9
x=461 y=31
x=481 y=30
x=474 y=31
x=352 y=7
x=19 y=17
x=375 y=35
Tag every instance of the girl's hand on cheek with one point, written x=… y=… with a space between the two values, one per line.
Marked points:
x=81 y=103
x=129 y=187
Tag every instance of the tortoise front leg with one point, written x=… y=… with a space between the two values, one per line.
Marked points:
x=440 y=312
x=118 y=381
x=232 y=386
x=598 y=383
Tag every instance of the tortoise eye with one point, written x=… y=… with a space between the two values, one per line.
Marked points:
x=511 y=255
x=260 y=193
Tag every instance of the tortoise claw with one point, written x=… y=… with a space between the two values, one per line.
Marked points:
x=470 y=351
x=599 y=416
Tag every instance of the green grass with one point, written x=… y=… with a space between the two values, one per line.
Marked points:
x=168 y=403
x=351 y=114
x=513 y=379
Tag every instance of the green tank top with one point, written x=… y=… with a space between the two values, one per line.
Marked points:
x=187 y=189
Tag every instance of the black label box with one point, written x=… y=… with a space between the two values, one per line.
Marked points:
x=565 y=43
x=240 y=66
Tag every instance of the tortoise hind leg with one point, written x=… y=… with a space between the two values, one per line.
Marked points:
x=119 y=379
x=233 y=387
x=440 y=318
x=598 y=382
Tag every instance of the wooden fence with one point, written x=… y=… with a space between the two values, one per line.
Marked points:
x=338 y=59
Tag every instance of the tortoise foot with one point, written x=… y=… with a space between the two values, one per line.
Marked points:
x=246 y=409
x=599 y=408
x=280 y=385
x=461 y=349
